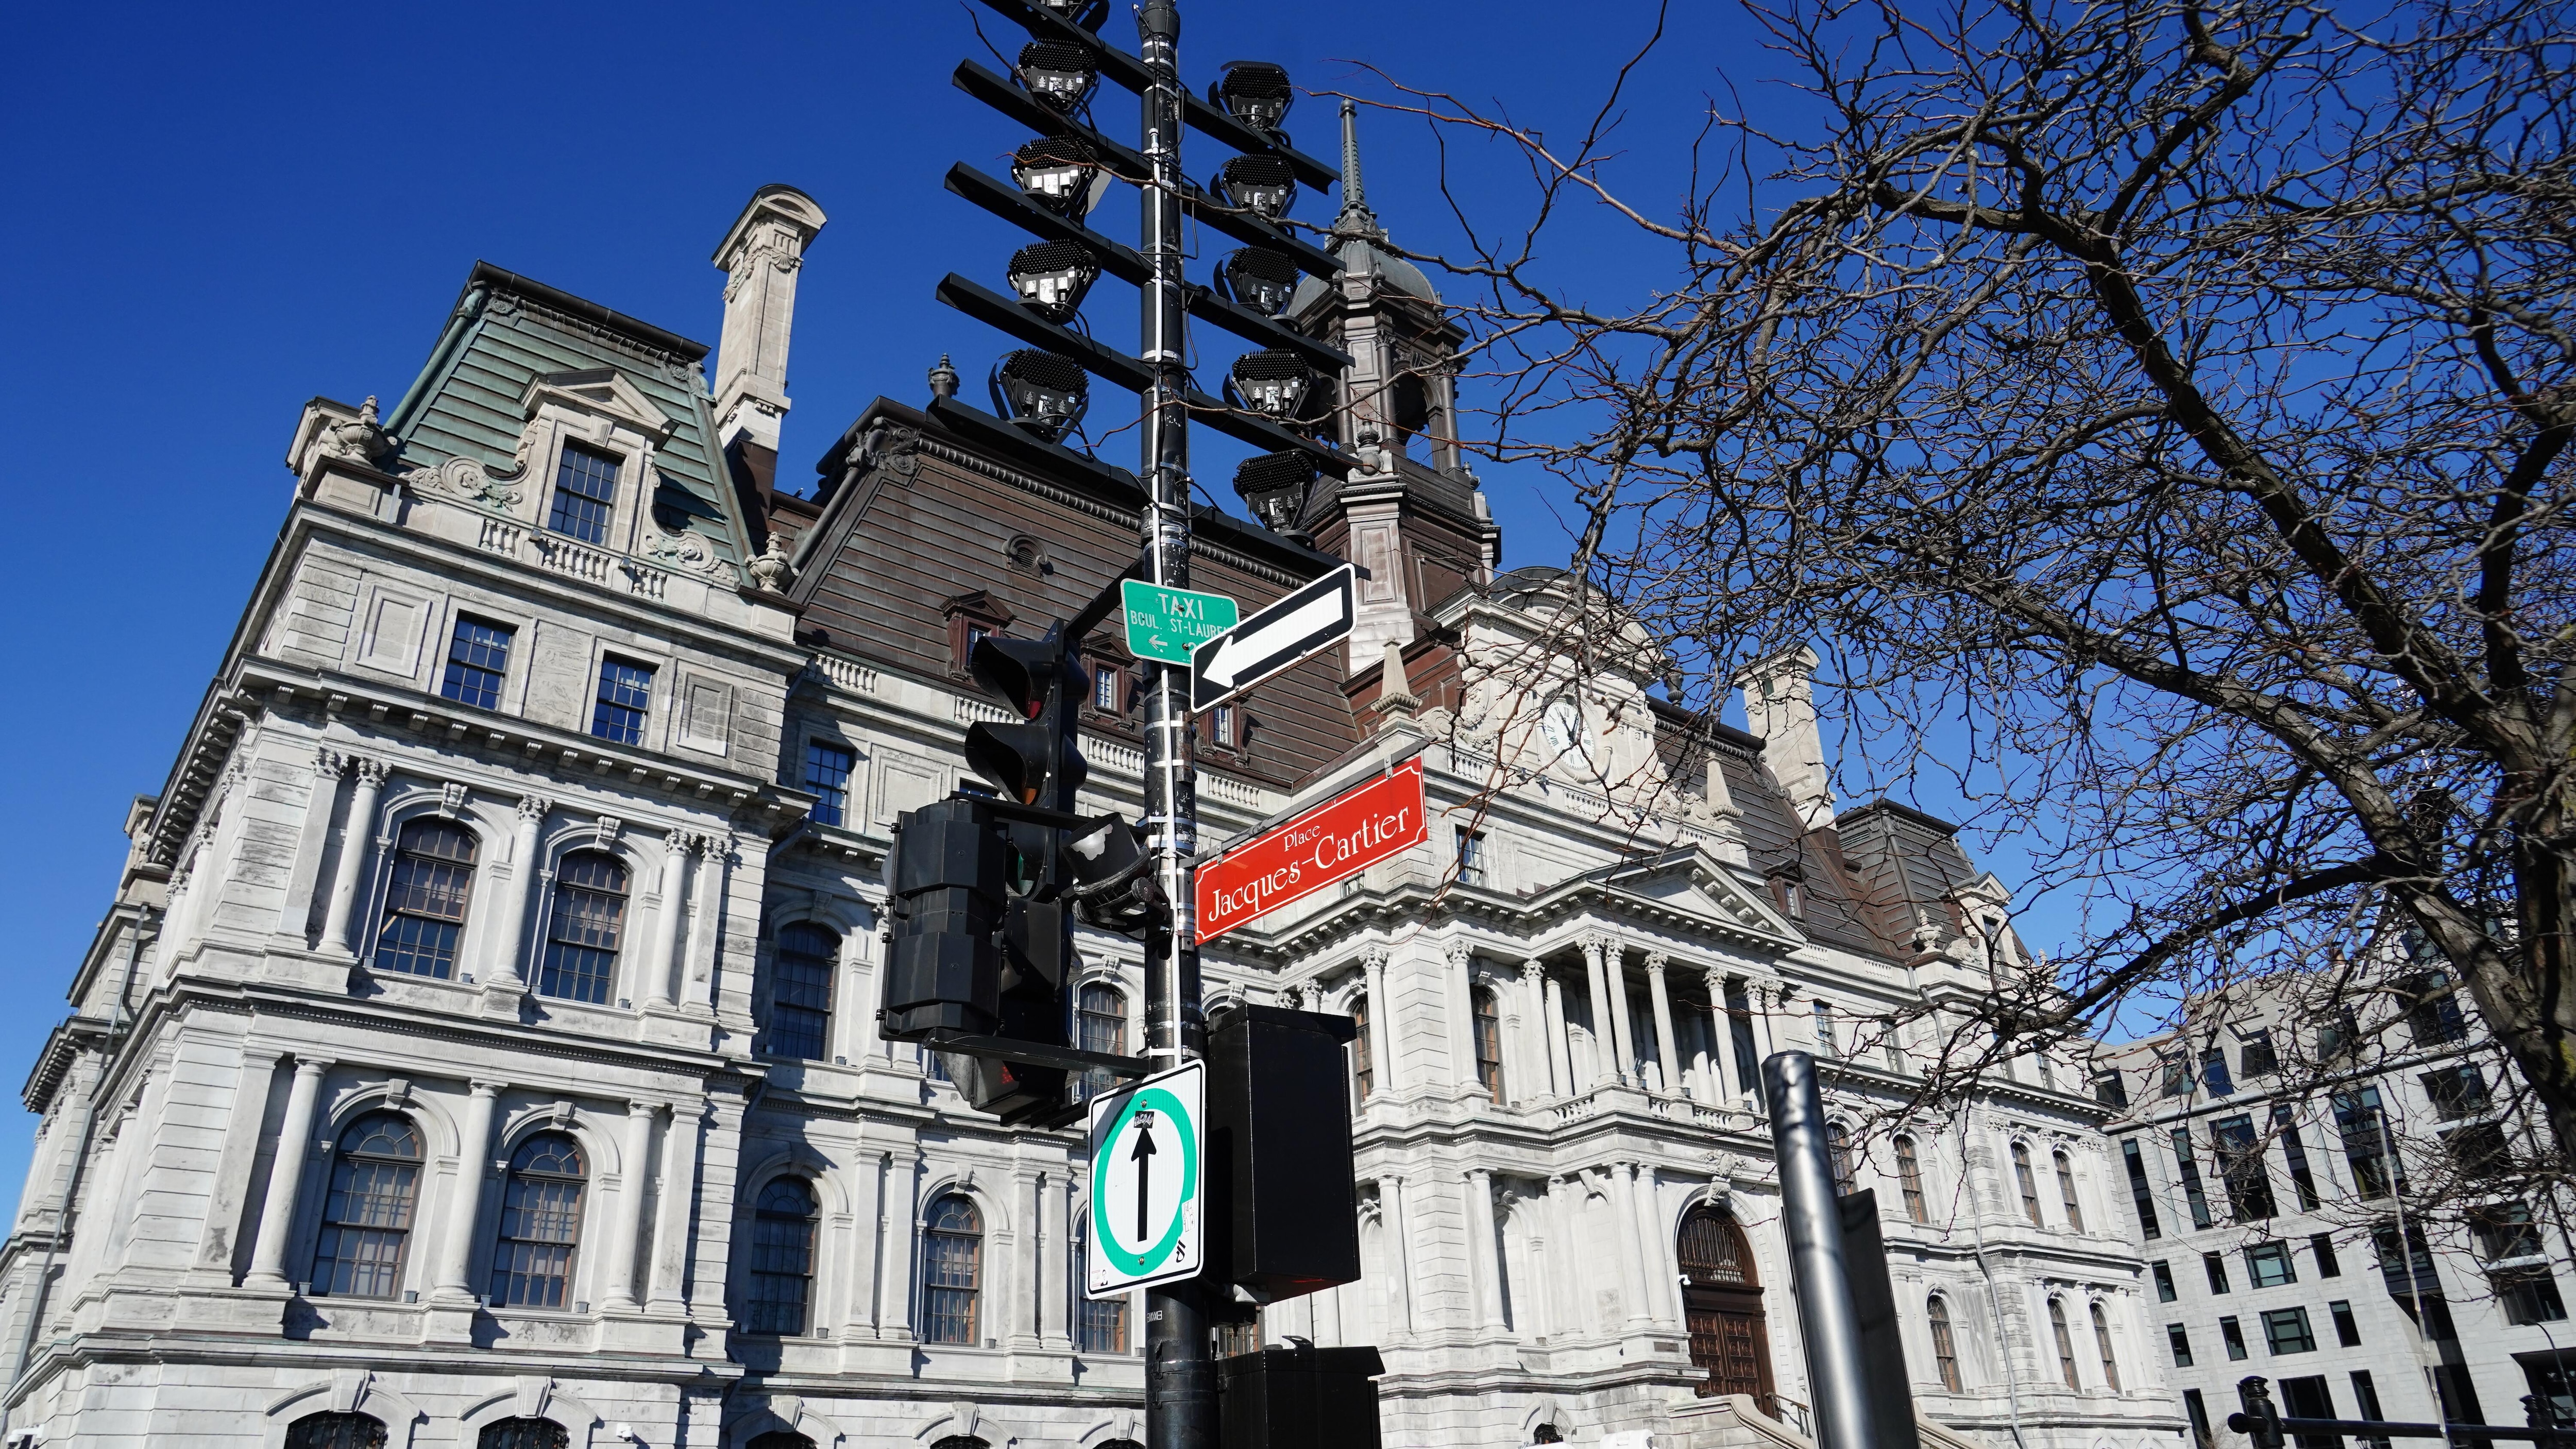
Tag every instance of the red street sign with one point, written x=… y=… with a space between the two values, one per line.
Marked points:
x=1343 y=836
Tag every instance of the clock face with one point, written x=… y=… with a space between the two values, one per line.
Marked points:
x=1563 y=724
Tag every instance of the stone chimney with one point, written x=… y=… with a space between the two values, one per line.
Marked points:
x=1780 y=706
x=759 y=258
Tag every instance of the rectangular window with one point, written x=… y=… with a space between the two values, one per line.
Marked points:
x=2365 y=1397
x=625 y=693
x=2140 y=1192
x=2189 y=1171
x=585 y=487
x=2529 y=1295
x=2321 y=1248
x=2269 y=1265
x=2365 y=1144
x=477 y=660
x=2213 y=1266
x=2456 y=1092
x=800 y=993
x=2347 y=1331
x=2256 y=1057
x=2233 y=1337
x=2240 y=1169
x=1827 y=1045
x=2307 y=1398
x=2213 y=1072
x=2179 y=1339
x=2110 y=1089
x=1103 y=1326
x=827 y=775
x=1739 y=1031
x=2198 y=1408
x=2165 y=1290
x=2434 y=1018
x=2478 y=1150
x=2285 y=1330
x=2410 y=1272
x=2340 y=1037
x=1471 y=856
x=1104 y=688
x=2177 y=1076
x=2286 y=1127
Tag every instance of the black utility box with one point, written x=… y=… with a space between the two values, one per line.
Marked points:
x=1283 y=1219
x=1299 y=1398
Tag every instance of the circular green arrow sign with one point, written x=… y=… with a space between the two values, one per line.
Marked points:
x=1150 y=1259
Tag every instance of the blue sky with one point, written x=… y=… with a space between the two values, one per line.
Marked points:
x=219 y=212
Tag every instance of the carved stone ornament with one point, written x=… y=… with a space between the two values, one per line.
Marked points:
x=892 y=447
x=468 y=481
x=771 y=570
x=451 y=798
x=686 y=551
x=361 y=439
x=605 y=836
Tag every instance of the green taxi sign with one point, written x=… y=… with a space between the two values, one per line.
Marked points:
x=1166 y=624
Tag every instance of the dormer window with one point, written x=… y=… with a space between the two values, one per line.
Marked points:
x=585 y=489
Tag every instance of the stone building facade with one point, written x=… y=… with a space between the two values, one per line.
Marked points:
x=478 y=1048
x=2279 y=1144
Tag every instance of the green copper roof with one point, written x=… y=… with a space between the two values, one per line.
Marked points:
x=507 y=331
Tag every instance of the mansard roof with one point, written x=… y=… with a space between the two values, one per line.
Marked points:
x=507 y=332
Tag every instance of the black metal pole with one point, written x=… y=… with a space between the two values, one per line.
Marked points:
x=1180 y=1375
x=1828 y=1320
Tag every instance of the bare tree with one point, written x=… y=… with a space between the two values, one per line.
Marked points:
x=2161 y=412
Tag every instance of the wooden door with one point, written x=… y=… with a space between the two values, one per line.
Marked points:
x=1722 y=1304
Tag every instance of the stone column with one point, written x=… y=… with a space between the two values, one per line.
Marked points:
x=296 y=912
x=1614 y=971
x=1632 y=1263
x=1654 y=1245
x=341 y=920
x=1560 y=1046
x=1380 y=1007
x=903 y=1215
x=286 y=1176
x=1390 y=1196
x=1721 y=1032
x=1534 y=1033
x=452 y=1282
x=1458 y=957
x=1055 y=1261
x=1483 y=1252
x=863 y=1288
x=671 y=1224
x=706 y=920
x=526 y=879
x=1605 y=1068
x=1669 y=1057
x=629 y=1230
x=662 y=947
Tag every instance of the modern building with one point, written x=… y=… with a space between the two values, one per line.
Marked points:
x=2280 y=1146
x=478 y=1049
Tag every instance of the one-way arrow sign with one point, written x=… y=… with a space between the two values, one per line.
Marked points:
x=1304 y=624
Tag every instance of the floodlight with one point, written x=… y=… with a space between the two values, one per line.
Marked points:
x=1273 y=382
x=1041 y=392
x=1276 y=486
x=1060 y=76
x=1254 y=92
x=1085 y=13
x=1052 y=276
x=1062 y=174
x=1262 y=185
x=1258 y=278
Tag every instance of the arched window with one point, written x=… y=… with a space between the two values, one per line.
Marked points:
x=1909 y=1177
x=1546 y=1434
x=336 y=1431
x=425 y=905
x=1100 y=1324
x=959 y=1441
x=1363 y=1071
x=1945 y=1349
x=952 y=1262
x=2066 y=1193
x=2029 y=1184
x=1838 y=1147
x=524 y=1434
x=782 y=1439
x=2102 y=1344
x=366 y=1220
x=782 y=1257
x=583 y=929
x=1100 y=1019
x=540 y=1225
x=2065 y=1343
x=1489 y=1044
x=800 y=992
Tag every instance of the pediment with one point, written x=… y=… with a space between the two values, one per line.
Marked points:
x=1693 y=882
x=599 y=390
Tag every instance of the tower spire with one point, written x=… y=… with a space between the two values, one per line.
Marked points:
x=1356 y=218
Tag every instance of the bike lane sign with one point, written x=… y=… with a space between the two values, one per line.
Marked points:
x=1148 y=1144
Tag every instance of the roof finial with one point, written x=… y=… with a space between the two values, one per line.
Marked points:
x=1356 y=218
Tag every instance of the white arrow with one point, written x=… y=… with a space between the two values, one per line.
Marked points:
x=1241 y=650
